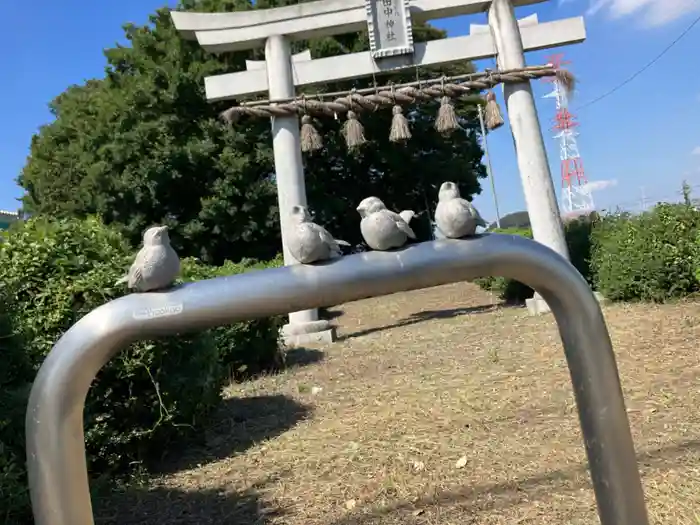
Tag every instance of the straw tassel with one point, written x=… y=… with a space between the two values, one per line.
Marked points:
x=310 y=139
x=353 y=131
x=494 y=119
x=399 y=126
x=446 y=121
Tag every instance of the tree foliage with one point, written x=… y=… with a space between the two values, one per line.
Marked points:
x=149 y=398
x=142 y=146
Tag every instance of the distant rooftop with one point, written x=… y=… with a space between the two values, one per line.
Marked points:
x=7 y=218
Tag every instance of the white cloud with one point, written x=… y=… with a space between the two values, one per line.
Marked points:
x=696 y=151
x=652 y=12
x=599 y=185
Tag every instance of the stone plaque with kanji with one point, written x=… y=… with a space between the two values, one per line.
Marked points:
x=389 y=27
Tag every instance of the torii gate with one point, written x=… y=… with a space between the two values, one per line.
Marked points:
x=275 y=28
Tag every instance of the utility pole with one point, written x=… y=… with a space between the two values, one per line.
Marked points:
x=489 y=168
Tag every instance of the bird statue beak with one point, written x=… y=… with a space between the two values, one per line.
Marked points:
x=163 y=229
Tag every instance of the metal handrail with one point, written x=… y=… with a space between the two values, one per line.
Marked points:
x=58 y=477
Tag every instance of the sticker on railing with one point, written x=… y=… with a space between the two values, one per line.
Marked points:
x=160 y=311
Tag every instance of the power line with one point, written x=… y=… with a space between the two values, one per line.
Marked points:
x=642 y=70
x=653 y=198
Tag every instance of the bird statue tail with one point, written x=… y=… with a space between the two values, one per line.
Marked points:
x=407 y=215
x=342 y=243
x=123 y=280
x=477 y=216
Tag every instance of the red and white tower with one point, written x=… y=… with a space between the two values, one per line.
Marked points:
x=576 y=194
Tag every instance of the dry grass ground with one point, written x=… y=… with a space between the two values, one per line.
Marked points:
x=376 y=432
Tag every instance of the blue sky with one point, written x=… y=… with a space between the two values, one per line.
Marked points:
x=641 y=141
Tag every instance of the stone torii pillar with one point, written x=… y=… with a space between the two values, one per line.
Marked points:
x=535 y=174
x=304 y=326
x=538 y=186
x=275 y=28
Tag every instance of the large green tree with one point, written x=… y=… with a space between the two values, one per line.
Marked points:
x=142 y=146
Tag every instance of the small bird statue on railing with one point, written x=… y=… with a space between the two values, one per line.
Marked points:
x=308 y=242
x=455 y=217
x=383 y=229
x=156 y=265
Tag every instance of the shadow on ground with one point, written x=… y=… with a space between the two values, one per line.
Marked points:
x=288 y=359
x=141 y=506
x=237 y=425
x=165 y=506
x=426 y=315
x=499 y=496
x=330 y=313
x=299 y=357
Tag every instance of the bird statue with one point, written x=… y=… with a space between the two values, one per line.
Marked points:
x=383 y=229
x=455 y=217
x=156 y=264
x=307 y=241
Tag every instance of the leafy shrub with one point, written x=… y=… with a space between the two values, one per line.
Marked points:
x=578 y=240
x=14 y=500
x=150 y=394
x=14 y=493
x=648 y=257
x=579 y=234
x=696 y=257
x=508 y=290
x=245 y=348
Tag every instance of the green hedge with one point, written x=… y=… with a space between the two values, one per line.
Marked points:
x=696 y=257
x=578 y=239
x=653 y=256
x=14 y=387
x=649 y=257
x=247 y=348
x=508 y=290
x=148 y=398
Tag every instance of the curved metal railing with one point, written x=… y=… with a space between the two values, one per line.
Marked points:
x=58 y=476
